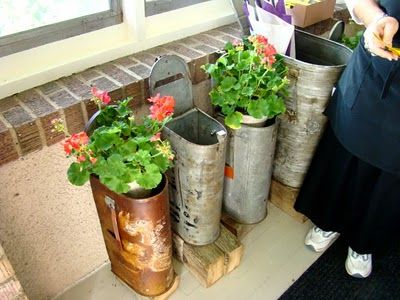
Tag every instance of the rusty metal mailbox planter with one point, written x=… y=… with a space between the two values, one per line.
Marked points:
x=199 y=142
x=137 y=234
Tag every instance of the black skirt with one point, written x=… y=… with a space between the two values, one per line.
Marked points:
x=345 y=194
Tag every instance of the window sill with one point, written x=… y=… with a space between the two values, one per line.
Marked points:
x=25 y=118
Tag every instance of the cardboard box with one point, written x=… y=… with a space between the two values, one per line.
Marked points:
x=306 y=15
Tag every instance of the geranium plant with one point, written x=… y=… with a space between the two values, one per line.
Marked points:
x=249 y=78
x=121 y=150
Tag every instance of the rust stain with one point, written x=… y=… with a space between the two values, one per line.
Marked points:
x=151 y=248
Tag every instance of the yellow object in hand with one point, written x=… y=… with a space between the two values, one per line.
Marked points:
x=394 y=50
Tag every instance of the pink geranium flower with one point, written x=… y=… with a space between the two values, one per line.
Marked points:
x=162 y=107
x=101 y=95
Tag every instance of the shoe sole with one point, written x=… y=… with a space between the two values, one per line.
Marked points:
x=310 y=246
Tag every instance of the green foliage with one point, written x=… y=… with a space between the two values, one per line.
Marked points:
x=352 y=41
x=248 y=78
x=120 y=151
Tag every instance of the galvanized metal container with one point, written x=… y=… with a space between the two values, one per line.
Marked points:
x=137 y=234
x=199 y=142
x=248 y=172
x=318 y=65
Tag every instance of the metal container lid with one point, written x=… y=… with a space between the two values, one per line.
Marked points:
x=170 y=77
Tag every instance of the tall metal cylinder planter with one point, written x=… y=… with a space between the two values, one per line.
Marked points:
x=248 y=172
x=198 y=176
x=199 y=143
x=137 y=234
x=318 y=65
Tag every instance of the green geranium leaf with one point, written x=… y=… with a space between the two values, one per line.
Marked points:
x=227 y=83
x=255 y=109
x=209 y=68
x=277 y=106
x=234 y=120
x=162 y=162
x=143 y=157
x=116 y=165
x=128 y=150
x=77 y=174
x=104 y=138
x=222 y=60
x=150 y=178
x=247 y=91
x=115 y=184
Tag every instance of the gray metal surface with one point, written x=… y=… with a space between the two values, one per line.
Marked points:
x=170 y=76
x=196 y=183
x=199 y=143
x=250 y=154
x=318 y=65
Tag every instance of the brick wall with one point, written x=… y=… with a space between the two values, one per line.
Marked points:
x=25 y=117
x=10 y=288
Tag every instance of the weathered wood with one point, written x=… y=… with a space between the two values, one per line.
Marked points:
x=238 y=229
x=6 y=270
x=210 y=262
x=11 y=289
x=206 y=263
x=284 y=197
x=232 y=248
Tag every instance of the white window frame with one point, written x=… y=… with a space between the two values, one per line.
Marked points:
x=62 y=30
x=36 y=66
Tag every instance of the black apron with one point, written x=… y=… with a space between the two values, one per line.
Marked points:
x=353 y=183
x=364 y=111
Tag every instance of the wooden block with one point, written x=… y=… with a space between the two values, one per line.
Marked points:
x=164 y=296
x=231 y=247
x=11 y=289
x=210 y=262
x=284 y=197
x=206 y=263
x=238 y=229
x=6 y=270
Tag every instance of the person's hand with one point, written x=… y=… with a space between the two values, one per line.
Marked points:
x=379 y=34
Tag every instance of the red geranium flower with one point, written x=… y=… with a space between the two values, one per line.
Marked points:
x=102 y=95
x=75 y=141
x=163 y=107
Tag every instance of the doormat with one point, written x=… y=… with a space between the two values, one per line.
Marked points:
x=327 y=278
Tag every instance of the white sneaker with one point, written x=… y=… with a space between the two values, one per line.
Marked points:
x=358 y=265
x=319 y=240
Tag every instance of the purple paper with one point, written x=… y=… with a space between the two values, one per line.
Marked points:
x=246 y=12
x=277 y=10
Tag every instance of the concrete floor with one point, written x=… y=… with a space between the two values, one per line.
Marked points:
x=274 y=257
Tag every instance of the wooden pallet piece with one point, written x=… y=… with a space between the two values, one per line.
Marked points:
x=209 y=263
x=163 y=296
x=284 y=197
x=238 y=229
x=232 y=248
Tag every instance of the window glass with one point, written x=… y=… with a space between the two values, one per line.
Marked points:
x=154 y=7
x=21 y=15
